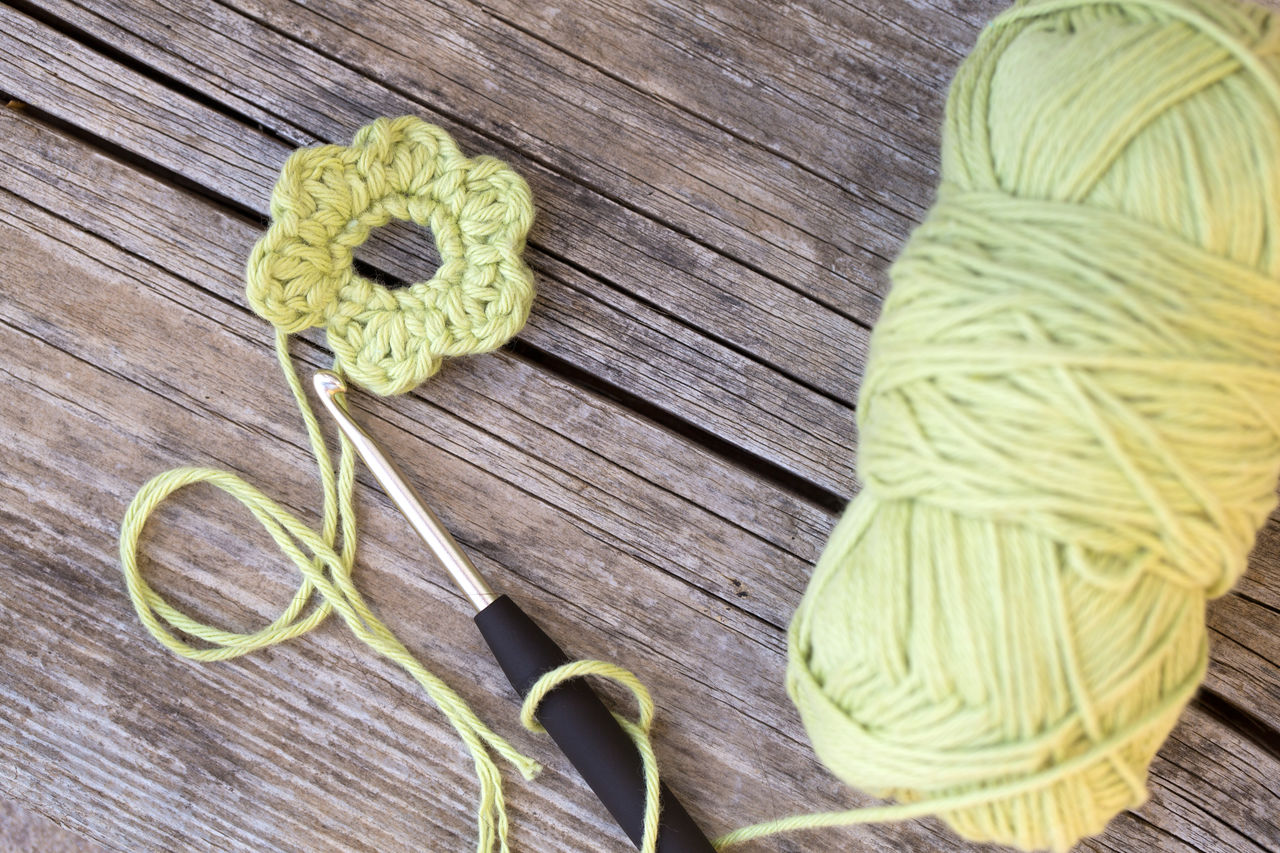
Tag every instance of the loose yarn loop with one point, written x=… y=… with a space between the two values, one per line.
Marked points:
x=327 y=200
x=325 y=203
x=1068 y=427
x=638 y=730
x=326 y=572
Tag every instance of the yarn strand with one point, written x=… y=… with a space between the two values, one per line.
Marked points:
x=300 y=274
x=325 y=572
x=1067 y=425
x=638 y=729
x=1067 y=438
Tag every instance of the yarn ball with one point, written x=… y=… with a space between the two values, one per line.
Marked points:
x=1069 y=426
x=327 y=200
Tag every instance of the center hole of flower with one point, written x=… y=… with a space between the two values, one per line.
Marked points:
x=398 y=254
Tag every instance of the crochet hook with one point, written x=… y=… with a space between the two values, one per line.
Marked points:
x=573 y=714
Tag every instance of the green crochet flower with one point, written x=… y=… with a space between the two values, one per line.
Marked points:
x=330 y=197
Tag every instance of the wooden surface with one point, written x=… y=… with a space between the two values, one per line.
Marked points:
x=24 y=831
x=651 y=468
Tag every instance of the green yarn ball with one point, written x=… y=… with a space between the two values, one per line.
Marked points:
x=1069 y=425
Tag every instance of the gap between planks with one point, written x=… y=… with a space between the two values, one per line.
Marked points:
x=688 y=375
x=1162 y=820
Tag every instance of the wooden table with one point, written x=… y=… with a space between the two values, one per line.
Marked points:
x=652 y=468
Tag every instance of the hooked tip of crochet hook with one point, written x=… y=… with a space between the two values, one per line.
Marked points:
x=420 y=517
x=572 y=713
x=329 y=383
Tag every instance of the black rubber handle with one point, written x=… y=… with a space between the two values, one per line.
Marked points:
x=584 y=729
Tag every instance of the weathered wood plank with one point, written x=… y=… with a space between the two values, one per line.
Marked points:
x=683 y=172
x=581 y=318
x=54 y=174
x=24 y=830
x=277 y=61
x=850 y=92
x=719 y=581
x=89 y=394
x=559 y=428
x=95 y=410
x=1246 y=649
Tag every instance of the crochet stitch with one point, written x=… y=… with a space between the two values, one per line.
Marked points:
x=327 y=200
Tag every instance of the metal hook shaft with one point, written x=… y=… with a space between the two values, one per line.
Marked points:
x=428 y=527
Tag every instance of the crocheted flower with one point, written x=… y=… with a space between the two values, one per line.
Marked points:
x=325 y=203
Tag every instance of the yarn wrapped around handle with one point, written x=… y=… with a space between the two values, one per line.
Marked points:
x=1069 y=425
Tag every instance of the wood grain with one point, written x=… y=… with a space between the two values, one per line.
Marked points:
x=25 y=831
x=139 y=414
x=678 y=342
x=652 y=470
